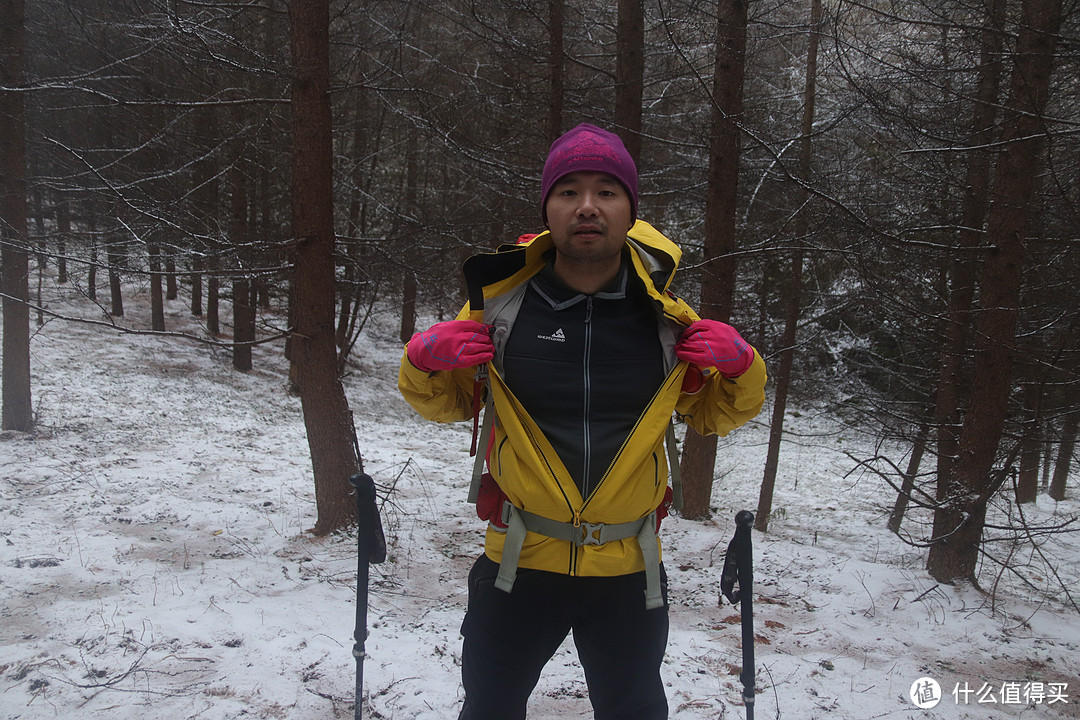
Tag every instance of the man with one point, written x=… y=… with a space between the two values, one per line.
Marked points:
x=586 y=356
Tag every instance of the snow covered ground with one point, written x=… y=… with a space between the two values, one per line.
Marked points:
x=154 y=561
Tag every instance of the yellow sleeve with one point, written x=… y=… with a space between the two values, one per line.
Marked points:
x=726 y=403
x=444 y=396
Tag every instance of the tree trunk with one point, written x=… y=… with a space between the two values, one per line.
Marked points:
x=42 y=247
x=331 y=436
x=241 y=221
x=721 y=196
x=348 y=291
x=409 y=290
x=1027 y=482
x=243 y=326
x=950 y=395
x=116 y=295
x=630 y=73
x=409 y=287
x=907 y=485
x=204 y=207
x=213 y=300
x=63 y=232
x=14 y=240
x=782 y=376
x=769 y=271
x=1065 y=454
x=196 y=286
x=348 y=288
x=793 y=286
x=968 y=488
x=170 y=277
x=157 y=300
x=91 y=238
x=953 y=385
x=556 y=69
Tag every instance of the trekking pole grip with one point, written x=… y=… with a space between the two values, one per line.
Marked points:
x=364 y=487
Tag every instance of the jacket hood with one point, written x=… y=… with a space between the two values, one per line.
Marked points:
x=489 y=275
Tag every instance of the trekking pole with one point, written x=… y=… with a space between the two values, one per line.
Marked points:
x=739 y=567
x=370 y=548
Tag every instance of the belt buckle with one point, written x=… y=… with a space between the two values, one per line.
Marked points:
x=587 y=537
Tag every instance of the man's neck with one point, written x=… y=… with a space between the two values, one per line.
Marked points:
x=587 y=277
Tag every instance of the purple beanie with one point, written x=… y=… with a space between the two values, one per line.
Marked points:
x=589 y=148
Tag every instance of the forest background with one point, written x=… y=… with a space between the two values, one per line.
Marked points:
x=881 y=195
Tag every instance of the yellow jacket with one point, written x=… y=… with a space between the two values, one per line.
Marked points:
x=522 y=460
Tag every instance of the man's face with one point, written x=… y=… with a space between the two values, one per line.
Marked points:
x=589 y=214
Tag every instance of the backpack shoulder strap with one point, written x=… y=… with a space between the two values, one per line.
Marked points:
x=480 y=446
x=673 y=468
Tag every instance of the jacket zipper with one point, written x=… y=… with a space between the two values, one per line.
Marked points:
x=573 y=549
x=587 y=401
x=663 y=387
x=521 y=415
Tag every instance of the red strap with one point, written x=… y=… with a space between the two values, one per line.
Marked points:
x=489 y=501
x=664 y=509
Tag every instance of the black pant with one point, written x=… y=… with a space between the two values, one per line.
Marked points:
x=509 y=637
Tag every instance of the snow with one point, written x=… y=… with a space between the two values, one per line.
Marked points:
x=155 y=560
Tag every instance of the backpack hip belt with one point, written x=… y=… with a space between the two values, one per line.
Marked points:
x=518 y=522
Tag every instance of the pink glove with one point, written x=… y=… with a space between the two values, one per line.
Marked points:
x=449 y=345
x=708 y=343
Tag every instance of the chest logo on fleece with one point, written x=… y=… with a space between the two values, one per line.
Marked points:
x=557 y=336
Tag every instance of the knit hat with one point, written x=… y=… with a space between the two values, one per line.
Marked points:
x=589 y=148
